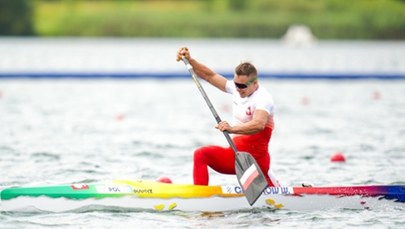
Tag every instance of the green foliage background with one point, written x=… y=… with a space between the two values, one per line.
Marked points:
x=328 y=19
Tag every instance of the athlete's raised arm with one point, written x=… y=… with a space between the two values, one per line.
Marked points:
x=203 y=71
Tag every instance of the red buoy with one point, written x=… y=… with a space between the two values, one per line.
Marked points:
x=376 y=95
x=164 y=180
x=305 y=101
x=337 y=157
x=120 y=117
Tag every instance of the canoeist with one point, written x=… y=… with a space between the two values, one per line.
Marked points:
x=253 y=123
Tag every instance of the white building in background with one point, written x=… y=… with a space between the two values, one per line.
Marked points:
x=299 y=36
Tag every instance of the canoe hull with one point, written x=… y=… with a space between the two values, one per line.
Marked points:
x=153 y=196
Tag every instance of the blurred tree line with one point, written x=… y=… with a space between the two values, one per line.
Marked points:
x=16 y=17
x=328 y=19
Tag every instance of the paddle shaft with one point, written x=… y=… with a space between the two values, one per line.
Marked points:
x=207 y=100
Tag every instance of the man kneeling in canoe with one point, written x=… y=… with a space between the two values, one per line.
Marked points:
x=253 y=112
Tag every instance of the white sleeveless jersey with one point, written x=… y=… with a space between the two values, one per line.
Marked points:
x=244 y=108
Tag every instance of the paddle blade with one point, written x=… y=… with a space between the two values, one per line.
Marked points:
x=250 y=176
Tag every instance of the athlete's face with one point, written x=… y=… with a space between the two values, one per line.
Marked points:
x=245 y=85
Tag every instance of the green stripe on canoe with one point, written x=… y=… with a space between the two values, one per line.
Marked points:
x=65 y=191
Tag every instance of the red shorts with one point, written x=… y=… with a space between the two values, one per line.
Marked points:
x=222 y=159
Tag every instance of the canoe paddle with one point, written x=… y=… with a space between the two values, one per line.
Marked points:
x=248 y=172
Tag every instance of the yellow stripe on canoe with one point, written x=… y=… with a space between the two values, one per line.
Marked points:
x=153 y=189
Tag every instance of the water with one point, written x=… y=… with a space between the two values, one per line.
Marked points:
x=156 y=56
x=62 y=131
x=72 y=130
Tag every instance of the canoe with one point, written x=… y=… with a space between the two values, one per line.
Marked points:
x=144 y=195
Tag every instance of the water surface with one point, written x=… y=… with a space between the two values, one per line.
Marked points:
x=63 y=131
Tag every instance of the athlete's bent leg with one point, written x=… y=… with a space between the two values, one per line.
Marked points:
x=218 y=158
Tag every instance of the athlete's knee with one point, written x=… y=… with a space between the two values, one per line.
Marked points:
x=199 y=154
